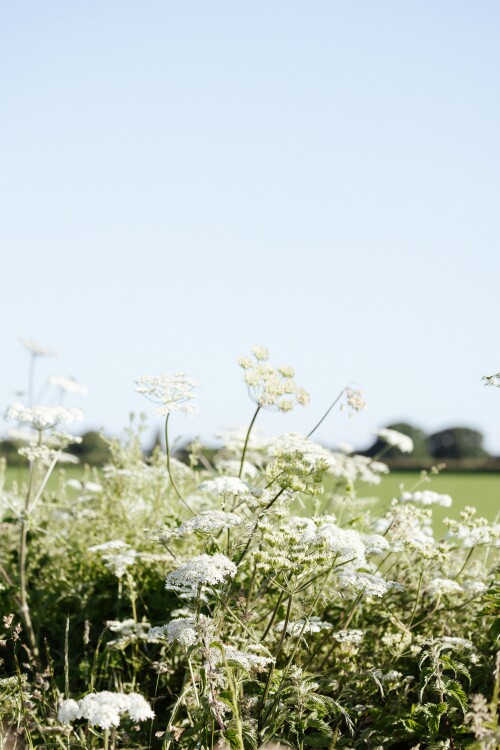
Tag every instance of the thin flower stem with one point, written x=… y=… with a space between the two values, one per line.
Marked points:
x=298 y=638
x=273 y=616
x=197 y=697
x=246 y=440
x=271 y=668
x=250 y=539
x=174 y=486
x=23 y=555
x=327 y=412
x=45 y=479
x=31 y=379
x=417 y=597
x=471 y=551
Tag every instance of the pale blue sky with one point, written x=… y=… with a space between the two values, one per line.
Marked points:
x=180 y=180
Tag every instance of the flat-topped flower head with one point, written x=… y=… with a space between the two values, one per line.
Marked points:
x=354 y=400
x=208 y=523
x=224 y=487
x=116 y=555
x=304 y=626
x=426 y=497
x=105 y=709
x=172 y=393
x=187 y=631
x=371 y=585
x=68 y=385
x=42 y=417
x=298 y=463
x=346 y=543
x=202 y=570
x=269 y=387
x=395 y=439
x=36 y=350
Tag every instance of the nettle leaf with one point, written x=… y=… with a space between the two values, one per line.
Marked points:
x=454 y=689
x=231 y=735
x=412 y=724
x=434 y=712
x=318 y=740
x=495 y=628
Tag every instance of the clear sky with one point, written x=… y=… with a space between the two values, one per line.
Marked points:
x=182 y=179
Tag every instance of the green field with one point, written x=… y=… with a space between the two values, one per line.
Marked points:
x=482 y=490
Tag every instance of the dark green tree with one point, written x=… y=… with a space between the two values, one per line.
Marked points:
x=457 y=442
x=420 y=446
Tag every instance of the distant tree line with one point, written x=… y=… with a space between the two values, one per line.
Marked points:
x=456 y=444
x=93 y=450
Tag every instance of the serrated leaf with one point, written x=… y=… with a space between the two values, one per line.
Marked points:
x=318 y=739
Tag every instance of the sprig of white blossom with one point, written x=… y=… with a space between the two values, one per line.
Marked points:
x=172 y=393
x=105 y=709
x=202 y=570
x=269 y=387
x=42 y=417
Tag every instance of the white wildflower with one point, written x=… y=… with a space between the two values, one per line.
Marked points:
x=105 y=709
x=472 y=531
x=42 y=417
x=208 y=523
x=304 y=627
x=224 y=487
x=105 y=546
x=455 y=642
x=68 y=385
x=353 y=468
x=69 y=710
x=354 y=400
x=202 y=570
x=369 y=584
x=426 y=497
x=350 y=635
x=172 y=393
x=92 y=487
x=36 y=452
x=127 y=631
x=269 y=387
x=408 y=526
x=472 y=586
x=375 y=544
x=36 y=349
x=138 y=708
x=298 y=463
x=116 y=555
x=395 y=439
x=249 y=661
x=183 y=630
x=231 y=466
x=346 y=543
x=443 y=587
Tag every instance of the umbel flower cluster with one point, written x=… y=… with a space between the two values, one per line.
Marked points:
x=248 y=595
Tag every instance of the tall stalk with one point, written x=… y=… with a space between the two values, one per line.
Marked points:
x=23 y=555
x=247 y=439
x=172 y=482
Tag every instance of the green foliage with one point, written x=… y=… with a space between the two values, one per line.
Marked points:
x=308 y=615
x=457 y=442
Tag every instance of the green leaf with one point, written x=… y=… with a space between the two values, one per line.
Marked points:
x=318 y=740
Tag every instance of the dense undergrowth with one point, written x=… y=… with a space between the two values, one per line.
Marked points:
x=243 y=600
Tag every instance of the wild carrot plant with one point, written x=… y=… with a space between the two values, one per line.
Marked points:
x=241 y=597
